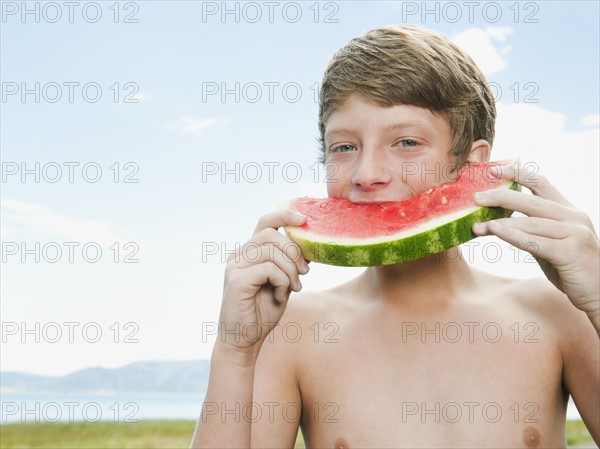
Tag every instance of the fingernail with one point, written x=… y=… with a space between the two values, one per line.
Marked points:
x=298 y=217
x=481 y=196
x=305 y=267
x=496 y=170
x=299 y=285
x=496 y=225
x=479 y=228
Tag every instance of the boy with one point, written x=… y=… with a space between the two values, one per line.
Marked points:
x=365 y=366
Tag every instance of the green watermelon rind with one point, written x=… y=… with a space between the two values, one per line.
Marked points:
x=432 y=241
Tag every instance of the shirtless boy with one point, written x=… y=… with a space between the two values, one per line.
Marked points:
x=428 y=353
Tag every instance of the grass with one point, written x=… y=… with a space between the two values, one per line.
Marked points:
x=149 y=434
x=145 y=434
x=84 y=435
x=578 y=434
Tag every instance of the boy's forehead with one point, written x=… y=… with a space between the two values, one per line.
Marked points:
x=356 y=111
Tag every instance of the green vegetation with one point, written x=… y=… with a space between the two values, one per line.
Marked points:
x=578 y=434
x=82 y=435
x=145 y=434
x=170 y=434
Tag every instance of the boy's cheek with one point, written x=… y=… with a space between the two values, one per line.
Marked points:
x=334 y=187
x=337 y=179
x=424 y=175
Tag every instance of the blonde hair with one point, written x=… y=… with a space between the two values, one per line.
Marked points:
x=412 y=66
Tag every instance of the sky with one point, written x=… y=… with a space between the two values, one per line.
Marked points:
x=141 y=141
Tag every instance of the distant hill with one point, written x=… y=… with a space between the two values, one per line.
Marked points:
x=153 y=376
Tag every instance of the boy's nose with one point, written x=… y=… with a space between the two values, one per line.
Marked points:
x=371 y=172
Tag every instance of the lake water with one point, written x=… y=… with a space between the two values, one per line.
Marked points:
x=125 y=408
x=91 y=408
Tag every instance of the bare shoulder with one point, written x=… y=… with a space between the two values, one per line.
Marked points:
x=309 y=317
x=538 y=300
x=537 y=295
x=308 y=307
x=306 y=312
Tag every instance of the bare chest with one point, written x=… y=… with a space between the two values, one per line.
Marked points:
x=451 y=383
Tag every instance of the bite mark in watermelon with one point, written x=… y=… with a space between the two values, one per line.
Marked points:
x=339 y=232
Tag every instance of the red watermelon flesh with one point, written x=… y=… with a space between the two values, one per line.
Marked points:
x=340 y=232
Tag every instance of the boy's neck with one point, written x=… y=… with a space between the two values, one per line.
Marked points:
x=432 y=280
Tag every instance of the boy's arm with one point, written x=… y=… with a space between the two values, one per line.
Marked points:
x=258 y=281
x=277 y=396
x=563 y=241
x=230 y=385
x=581 y=365
x=559 y=236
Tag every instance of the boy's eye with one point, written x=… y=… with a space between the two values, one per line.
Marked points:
x=344 y=148
x=408 y=143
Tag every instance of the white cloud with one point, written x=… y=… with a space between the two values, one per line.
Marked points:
x=36 y=219
x=499 y=33
x=479 y=44
x=569 y=159
x=140 y=97
x=591 y=120
x=194 y=125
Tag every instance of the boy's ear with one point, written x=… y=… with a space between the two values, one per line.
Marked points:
x=480 y=152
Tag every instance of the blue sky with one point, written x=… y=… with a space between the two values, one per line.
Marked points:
x=543 y=61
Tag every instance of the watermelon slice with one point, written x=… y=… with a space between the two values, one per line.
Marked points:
x=339 y=232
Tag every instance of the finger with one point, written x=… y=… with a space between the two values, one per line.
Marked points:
x=261 y=254
x=271 y=237
x=270 y=273
x=531 y=225
x=528 y=176
x=279 y=218
x=533 y=206
x=265 y=276
x=537 y=245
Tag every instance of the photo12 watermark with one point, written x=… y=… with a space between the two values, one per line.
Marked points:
x=290 y=332
x=52 y=172
x=515 y=92
x=254 y=412
x=270 y=172
x=72 y=332
x=264 y=91
x=469 y=12
x=70 y=12
x=468 y=411
x=70 y=252
x=270 y=12
x=468 y=332
x=69 y=92
x=68 y=411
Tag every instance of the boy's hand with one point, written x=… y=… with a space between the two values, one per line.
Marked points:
x=559 y=236
x=258 y=281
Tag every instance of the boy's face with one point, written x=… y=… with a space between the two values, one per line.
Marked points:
x=378 y=153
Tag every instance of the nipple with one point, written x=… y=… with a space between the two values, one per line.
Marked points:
x=531 y=437
x=340 y=443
